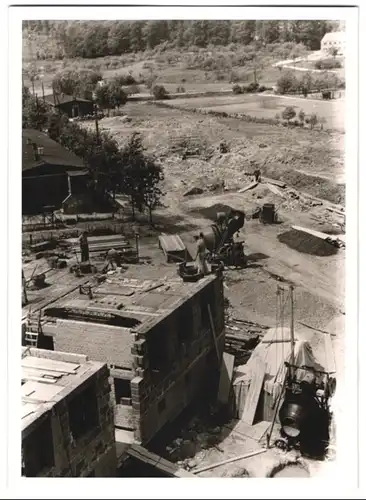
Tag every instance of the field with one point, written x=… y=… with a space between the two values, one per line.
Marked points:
x=267 y=106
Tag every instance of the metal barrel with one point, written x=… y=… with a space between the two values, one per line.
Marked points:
x=268 y=213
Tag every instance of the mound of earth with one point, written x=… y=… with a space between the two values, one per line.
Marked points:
x=211 y=212
x=306 y=243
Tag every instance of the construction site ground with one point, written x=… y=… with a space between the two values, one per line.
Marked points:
x=311 y=165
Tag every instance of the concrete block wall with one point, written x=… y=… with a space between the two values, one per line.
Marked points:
x=160 y=397
x=93 y=453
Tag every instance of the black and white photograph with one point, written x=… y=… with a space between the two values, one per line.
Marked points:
x=183 y=243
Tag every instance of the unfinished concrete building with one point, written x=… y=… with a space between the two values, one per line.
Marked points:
x=163 y=342
x=67 y=417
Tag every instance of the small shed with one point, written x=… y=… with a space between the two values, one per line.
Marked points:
x=72 y=106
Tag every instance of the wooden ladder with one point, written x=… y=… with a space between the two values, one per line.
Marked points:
x=34 y=330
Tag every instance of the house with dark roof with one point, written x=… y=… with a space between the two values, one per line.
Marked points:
x=72 y=106
x=49 y=173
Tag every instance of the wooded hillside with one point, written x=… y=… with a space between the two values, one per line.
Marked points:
x=90 y=39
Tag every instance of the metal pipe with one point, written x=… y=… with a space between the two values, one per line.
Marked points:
x=229 y=460
x=137 y=237
x=292 y=333
x=269 y=435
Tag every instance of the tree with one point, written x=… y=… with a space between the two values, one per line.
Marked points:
x=119 y=38
x=133 y=159
x=56 y=124
x=243 y=32
x=152 y=177
x=102 y=97
x=159 y=92
x=137 y=40
x=155 y=33
x=313 y=120
x=117 y=96
x=141 y=176
x=301 y=115
x=78 y=83
x=271 y=31
x=34 y=111
x=306 y=84
x=288 y=113
x=333 y=51
x=287 y=83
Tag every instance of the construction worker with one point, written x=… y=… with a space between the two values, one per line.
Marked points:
x=257 y=175
x=84 y=246
x=201 y=255
x=112 y=260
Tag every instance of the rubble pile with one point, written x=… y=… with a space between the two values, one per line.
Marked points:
x=191 y=448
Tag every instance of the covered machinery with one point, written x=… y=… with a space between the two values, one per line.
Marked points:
x=219 y=238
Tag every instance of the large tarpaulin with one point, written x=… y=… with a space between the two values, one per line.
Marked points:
x=274 y=350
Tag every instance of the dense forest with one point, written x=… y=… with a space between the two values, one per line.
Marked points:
x=90 y=39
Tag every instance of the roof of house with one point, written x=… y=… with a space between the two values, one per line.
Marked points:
x=334 y=36
x=53 y=152
x=48 y=377
x=63 y=99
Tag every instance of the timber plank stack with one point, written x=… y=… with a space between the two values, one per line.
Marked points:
x=241 y=338
x=102 y=243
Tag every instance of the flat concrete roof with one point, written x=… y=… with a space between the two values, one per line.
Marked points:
x=103 y=327
x=48 y=377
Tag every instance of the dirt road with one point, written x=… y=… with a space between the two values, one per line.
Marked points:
x=319 y=280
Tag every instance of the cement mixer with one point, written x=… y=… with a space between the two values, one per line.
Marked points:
x=219 y=239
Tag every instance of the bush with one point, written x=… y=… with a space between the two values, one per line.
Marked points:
x=327 y=64
x=252 y=87
x=263 y=88
x=159 y=92
x=125 y=80
x=237 y=89
x=288 y=113
x=313 y=120
x=287 y=83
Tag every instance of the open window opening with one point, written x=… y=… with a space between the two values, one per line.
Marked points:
x=83 y=412
x=46 y=342
x=38 y=451
x=158 y=348
x=122 y=391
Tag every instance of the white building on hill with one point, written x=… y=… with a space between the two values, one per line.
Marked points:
x=336 y=39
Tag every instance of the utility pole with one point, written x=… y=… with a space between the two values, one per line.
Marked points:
x=292 y=332
x=99 y=149
x=24 y=285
